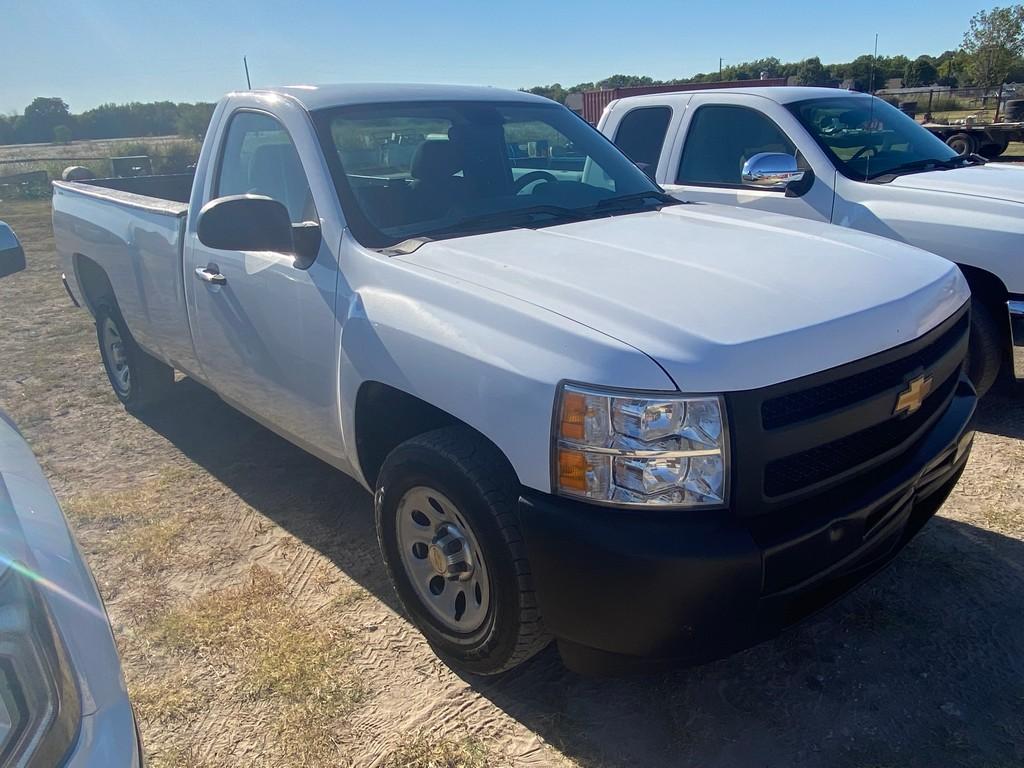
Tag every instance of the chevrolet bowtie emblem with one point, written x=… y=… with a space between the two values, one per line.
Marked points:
x=910 y=399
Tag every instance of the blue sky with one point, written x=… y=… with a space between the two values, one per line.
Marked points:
x=95 y=51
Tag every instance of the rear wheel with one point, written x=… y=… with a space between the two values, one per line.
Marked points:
x=445 y=509
x=139 y=380
x=992 y=150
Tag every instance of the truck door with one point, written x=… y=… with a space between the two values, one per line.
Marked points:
x=719 y=134
x=264 y=329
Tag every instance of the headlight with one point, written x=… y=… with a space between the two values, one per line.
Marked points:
x=623 y=449
x=39 y=701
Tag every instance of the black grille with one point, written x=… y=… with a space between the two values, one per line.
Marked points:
x=830 y=460
x=808 y=403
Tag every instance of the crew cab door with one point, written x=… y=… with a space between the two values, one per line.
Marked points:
x=715 y=137
x=263 y=322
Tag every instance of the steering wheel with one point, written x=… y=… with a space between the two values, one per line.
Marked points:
x=527 y=179
x=862 y=150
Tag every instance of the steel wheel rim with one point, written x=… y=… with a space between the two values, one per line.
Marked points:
x=442 y=558
x=117 y=360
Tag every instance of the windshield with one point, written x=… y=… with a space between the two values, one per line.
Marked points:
x=868 y=138
x=441 y=169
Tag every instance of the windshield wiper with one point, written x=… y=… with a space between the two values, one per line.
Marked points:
x=483 y=223
x=631 y=201
x=927 y=165
x=515 y=217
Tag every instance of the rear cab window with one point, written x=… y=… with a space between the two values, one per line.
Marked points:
x=641 y=136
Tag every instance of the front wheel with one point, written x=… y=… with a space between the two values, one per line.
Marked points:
x=963 y=144
x=986 y=348
x=138 y=378
x=445 y=509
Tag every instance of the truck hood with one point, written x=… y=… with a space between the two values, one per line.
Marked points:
x=996 y=181
x=722 y=299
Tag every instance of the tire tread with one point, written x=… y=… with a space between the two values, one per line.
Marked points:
x=493 y=478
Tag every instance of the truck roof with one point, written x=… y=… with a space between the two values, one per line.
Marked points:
x=314 y=97
x=779 y=94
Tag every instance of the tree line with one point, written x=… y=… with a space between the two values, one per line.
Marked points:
x=992 y=52
x=48 y=119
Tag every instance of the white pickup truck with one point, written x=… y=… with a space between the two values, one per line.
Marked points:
x=852 y=160
x=586 y=411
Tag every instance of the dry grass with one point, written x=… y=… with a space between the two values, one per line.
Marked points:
x=178 y=757
x=136 y=522
x=423 y=752
x=141 y=501
x=271 y=652
x=168 y=699
x=1014 y=149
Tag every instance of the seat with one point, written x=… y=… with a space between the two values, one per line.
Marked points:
x=435 y=186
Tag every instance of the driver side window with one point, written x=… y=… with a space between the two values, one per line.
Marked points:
x=259 y=158
x=721 y=138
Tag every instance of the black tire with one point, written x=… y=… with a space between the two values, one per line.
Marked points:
x=991 y=151
x=963 y=143
x=471 y=472
x=986 y=350
x=149 y=380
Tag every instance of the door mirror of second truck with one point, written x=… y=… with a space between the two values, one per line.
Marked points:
x=12 y=256
x=246 y=223
x=771 y=170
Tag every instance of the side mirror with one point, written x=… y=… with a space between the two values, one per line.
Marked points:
x=245 y=223
x=12 y=256
x=771 y=170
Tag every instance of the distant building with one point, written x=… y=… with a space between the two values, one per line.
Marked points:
x=574 y=101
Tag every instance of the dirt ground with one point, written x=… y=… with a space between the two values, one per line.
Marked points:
x=258 y=628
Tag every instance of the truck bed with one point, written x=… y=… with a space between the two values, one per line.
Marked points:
x=139 y=191
x=133 y=229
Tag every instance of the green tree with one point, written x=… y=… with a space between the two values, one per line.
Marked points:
x=994 y=39
x=40 y=118
x=62 y=134
x=811 y=72
x=194 y=119
x=921 y=71
x=555 y=92
x=7 y=129
x=889 y=67
x=624 y=81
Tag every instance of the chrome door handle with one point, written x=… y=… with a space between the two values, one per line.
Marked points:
x=210 y=275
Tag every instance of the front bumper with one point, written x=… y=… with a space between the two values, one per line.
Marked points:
x=627 y=589
x=1015 y=307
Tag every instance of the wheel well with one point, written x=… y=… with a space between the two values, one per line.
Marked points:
x=984 y=285
x=93 y=281
x=386 y=417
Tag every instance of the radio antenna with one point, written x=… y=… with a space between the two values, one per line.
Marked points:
x=248 y=82
x=874 y=59
x=871 y=107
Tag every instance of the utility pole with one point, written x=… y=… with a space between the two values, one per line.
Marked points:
x=719 y=69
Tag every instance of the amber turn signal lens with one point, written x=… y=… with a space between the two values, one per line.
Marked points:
x=574 y=413
x=572 y=470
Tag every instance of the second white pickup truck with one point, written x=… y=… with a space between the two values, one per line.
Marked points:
x=852 y=160
x=586 y=411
